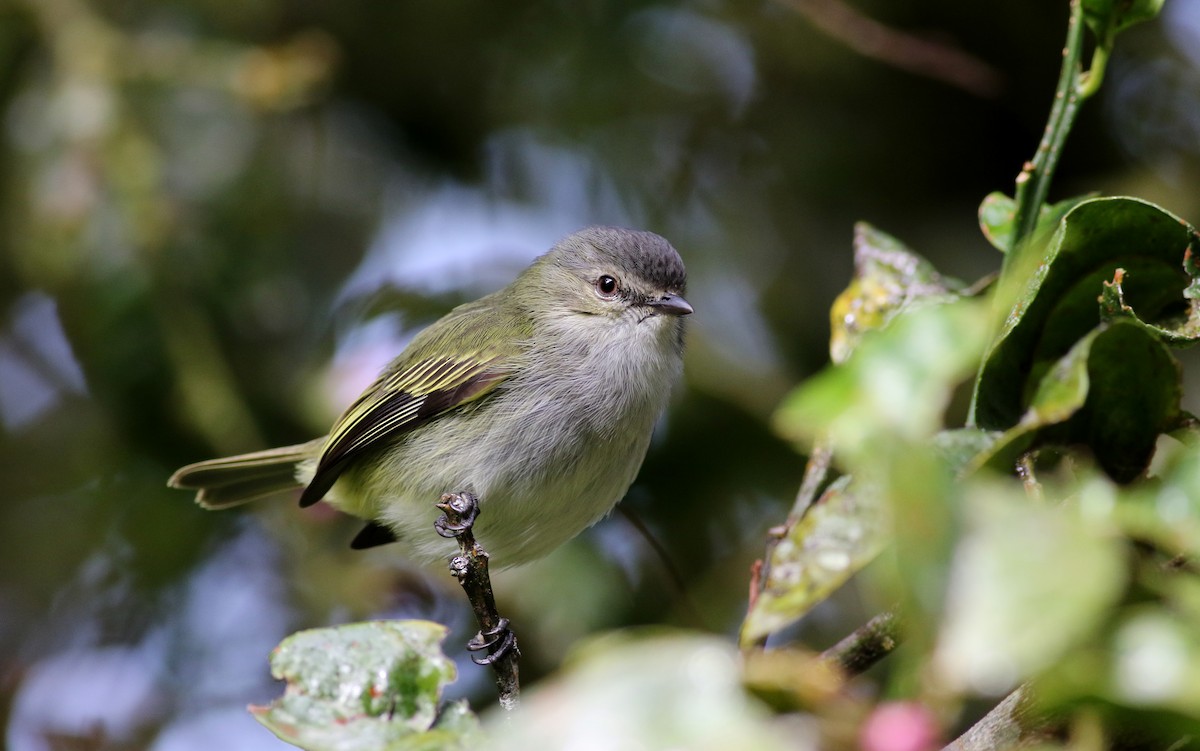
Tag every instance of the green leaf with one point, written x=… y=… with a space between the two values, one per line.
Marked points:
x=888 y=277
x=960 y=448
x=1146 y=674
x=997 y=211
x=1086 y=398
x=996 y=214
x=648 y=689
x=1156 y=661
x=877 y=409
x=1121 y=424
x=1180 y=330
x=366 y=686
x=1167 y=514
x=1056 y=306
x=1029 y=582
x=895 y=385
x=842 y=532
x=1107 y=18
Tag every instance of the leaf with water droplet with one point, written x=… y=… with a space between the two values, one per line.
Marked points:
x=373 y=686
x=888 y=278
x=842 y=532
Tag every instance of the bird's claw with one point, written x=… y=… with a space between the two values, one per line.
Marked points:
x=501 y=637
x=460 y=511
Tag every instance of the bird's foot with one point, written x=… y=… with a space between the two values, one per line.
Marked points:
x=460 y=511
x=498 y=642
x=470 y=567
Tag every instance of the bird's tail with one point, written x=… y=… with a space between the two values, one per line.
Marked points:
x=234 y=480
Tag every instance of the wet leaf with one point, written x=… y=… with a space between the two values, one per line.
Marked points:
x=842 y=532
x=1058 y=303
x=888 y=277
x=366 y=686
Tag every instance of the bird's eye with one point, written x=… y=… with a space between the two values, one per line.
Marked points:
x=607 y=285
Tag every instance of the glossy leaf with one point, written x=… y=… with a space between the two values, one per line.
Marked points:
x=997 y=211
x=1057 y=305
x=366 y=686
x=1087 y=395
x=1181 y=330
x=1121 y=424
x=842 y=532
x=888 y=277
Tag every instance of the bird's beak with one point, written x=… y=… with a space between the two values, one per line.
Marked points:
x=671 y=305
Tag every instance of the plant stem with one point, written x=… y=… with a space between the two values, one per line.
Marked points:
x=1033 y=183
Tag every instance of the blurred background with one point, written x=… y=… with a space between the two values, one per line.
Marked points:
x=219 y=219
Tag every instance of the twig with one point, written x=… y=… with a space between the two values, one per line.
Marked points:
x=923 y=57
x=756 y=583
x=664 y=556
x=868 y=644
x=470 y=567
x=1027 y=471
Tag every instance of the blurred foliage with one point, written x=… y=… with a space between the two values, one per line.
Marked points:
x=216 y=219
x=646 y=690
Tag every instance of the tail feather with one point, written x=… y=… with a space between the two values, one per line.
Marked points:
x=234 y=480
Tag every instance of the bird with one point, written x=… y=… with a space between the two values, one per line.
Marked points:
x=539 y=399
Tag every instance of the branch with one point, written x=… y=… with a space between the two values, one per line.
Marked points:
x=470 y=567
x=868 y=644
x=923 y=57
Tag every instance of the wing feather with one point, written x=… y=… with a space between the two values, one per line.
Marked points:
x=400 y=401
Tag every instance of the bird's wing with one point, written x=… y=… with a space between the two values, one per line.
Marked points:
x=406 y=396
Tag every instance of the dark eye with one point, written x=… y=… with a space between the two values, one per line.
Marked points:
x=607 y=285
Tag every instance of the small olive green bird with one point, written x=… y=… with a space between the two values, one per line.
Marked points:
x=539 y=399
